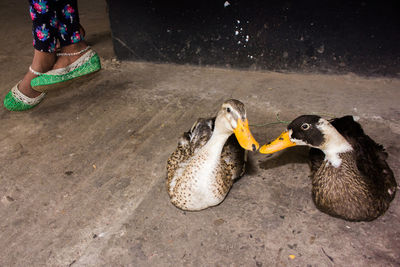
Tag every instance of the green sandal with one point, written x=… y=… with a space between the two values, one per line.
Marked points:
x=17 y=101
x=86 y=64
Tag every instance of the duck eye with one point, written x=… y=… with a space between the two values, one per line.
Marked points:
x=228 y=110
x=305 y=126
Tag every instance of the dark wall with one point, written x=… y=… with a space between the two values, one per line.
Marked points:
x=323 y=36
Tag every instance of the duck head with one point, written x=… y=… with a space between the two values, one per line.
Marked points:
x=312 y=131
x=231 y=118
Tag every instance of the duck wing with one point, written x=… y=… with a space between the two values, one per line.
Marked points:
x=371 y=157
x=233 y=158
x=189 y=143
x=201 y=132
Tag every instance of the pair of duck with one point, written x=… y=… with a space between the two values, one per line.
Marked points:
x=350 y=177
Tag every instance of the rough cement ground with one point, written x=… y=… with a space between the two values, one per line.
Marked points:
x=82 y=176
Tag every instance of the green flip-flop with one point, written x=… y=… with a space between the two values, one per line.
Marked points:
x=17 y=101
x=88 y=63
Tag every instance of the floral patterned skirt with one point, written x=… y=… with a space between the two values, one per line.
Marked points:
x=54 y=21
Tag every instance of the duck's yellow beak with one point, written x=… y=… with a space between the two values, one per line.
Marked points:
x=244 y=136
x=282 y=142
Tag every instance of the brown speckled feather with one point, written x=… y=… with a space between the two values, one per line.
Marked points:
x=231 y=166
x=191 y=141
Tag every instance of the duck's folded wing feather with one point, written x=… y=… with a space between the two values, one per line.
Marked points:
x=189 y=142
x=371 y=157
x=233 y=157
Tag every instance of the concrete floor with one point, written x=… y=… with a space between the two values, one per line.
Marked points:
x=82 y=176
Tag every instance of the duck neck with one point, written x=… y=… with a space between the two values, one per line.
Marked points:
x=217 y=141
x=334 y=145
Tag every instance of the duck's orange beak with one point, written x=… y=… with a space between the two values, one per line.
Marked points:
x=244 y=136
x=282 y=142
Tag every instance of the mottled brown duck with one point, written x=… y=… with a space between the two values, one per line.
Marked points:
x=350 y=177
x=209 y=157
